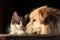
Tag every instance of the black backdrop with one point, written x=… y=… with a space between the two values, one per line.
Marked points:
x=22 y=7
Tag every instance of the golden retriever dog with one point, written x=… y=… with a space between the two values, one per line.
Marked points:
x=44 y=20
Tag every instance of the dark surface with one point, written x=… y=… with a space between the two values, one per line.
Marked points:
x=28 y=37
x=32 y=38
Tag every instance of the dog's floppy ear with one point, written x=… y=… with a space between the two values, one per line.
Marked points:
x=43 y=11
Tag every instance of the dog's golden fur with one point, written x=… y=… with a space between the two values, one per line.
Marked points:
x=43 y=20
x=36 y=23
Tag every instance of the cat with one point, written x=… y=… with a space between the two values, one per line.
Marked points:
x=44 y=20
x=17 y=24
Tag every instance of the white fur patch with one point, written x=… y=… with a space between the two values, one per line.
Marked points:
x=16 y=29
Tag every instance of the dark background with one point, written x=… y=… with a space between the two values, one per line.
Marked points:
x=22 y=7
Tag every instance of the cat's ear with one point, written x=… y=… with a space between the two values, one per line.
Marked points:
x=15 y=15
x=43 y=11
x=26 y=16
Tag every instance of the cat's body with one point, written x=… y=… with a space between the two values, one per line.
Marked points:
x=17 y=24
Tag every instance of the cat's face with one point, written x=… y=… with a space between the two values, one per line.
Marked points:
x=16 y=18
x=19 y=21
x=17 y=24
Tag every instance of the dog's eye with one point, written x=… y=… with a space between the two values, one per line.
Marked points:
x=34 y=20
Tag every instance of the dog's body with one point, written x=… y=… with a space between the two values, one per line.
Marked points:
x=44 y=20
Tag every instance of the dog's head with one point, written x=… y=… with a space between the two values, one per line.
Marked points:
x=37 y=17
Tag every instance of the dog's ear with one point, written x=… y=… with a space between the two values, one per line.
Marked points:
x=43 y=11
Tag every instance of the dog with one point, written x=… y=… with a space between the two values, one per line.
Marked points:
x=44 y=20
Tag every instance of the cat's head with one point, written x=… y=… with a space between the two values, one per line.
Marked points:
x=19 y=20
x=16 y=18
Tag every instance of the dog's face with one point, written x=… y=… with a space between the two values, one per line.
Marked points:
x=36 y=23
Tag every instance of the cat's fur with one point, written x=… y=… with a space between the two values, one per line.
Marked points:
x=44 y=20
x=18 y=23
